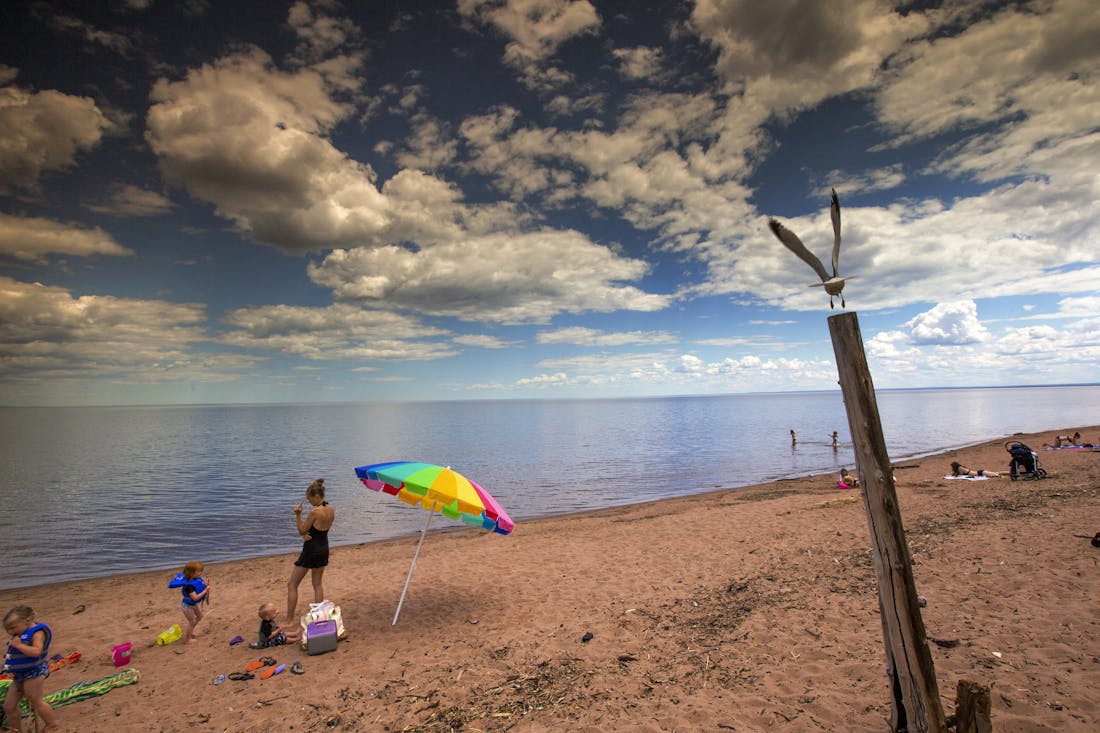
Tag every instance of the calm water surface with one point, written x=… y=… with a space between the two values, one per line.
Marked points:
x=98 y=491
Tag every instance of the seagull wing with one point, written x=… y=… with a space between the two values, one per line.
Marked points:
x=835 y=212
x=791 y=241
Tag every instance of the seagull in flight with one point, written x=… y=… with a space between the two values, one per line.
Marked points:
x=834 y=285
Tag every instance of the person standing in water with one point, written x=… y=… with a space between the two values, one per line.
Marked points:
x=314 y=557
x=793 y=439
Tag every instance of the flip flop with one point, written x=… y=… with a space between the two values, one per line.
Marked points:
x=272 y=671
x=218 y=680
x=296 y=668
x=268 y=661
x=236 y=640
x=241 y=676
x=253 y=666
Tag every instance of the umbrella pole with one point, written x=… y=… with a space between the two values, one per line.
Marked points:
x=423 y=534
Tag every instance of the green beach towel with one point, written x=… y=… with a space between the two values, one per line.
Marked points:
x=79 y=691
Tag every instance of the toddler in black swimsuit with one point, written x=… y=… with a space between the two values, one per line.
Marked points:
x=271 y=633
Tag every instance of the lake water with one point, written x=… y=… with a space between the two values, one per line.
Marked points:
x=93 y=491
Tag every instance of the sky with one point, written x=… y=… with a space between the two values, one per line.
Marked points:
x=264 y=201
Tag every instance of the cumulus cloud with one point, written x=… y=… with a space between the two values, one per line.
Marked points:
x=506 y=277
x=1016 y=355
x=791 y=54
x=32 y=238
x=536 y=29
x=129 y=200
x=926 y=251
x=46 y=332
x=639 y=62
x=674 y=370
x=321 y=35
x=43 y=131
x=251 y=140
x=1024 y=80
x=337 y=332
x=948 y=323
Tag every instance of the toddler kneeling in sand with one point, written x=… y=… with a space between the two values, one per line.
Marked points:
x=271 y=633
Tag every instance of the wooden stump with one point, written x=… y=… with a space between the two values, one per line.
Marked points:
x=972 y=708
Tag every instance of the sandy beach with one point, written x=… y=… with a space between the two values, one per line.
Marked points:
x=750 y=609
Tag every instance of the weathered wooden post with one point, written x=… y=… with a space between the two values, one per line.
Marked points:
x=916 y=703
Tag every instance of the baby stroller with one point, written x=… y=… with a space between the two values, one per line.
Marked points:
x=1025 y=462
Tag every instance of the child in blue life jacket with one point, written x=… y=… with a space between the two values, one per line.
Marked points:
x=26 y=661
x=195 y=592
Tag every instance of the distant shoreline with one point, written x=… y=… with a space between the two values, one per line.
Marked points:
x=878 y=390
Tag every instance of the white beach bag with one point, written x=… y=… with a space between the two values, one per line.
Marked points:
x=323 y=611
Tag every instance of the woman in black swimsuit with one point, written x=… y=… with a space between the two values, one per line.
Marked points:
x=314 y=558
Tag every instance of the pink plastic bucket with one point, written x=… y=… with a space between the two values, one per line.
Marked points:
x=121 y=654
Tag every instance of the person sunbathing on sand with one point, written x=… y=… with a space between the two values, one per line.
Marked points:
x=848 y=480
x=1067 y=440
x=957 y=469
x=1062 y=440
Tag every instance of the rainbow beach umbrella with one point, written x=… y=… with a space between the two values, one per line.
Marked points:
x=439 y=490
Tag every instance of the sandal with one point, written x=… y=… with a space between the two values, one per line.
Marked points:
x=272 y=671
x=236 y=640
x=241 y=676
x=268 y=661
x=218 y=680
x=296 y=668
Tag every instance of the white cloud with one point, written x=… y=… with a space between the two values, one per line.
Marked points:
x=1029 y=354
x=1084 y=307
x=338 y=332
x=582 y=336
x=129 y=200
x=43 y=131
x=1030 y=238
x=251 y=140
x=640 y=62
x=948 y=323
x=881 y=179
x=321 y=35
x=790 y=54
x=543 y=380
x=46 y=333
x=32 y=238
x=429 y=146
x=536 y=30
x=484 y=341
x=670 y=370
x=511 y=278
x=94 y=36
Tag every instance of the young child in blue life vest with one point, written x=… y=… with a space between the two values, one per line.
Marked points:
x=195 y=591
x=26 y=661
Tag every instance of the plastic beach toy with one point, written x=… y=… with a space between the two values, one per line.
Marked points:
x=172 y=633
x=120 y=654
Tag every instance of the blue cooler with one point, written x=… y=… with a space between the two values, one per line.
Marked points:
x=320 y=637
